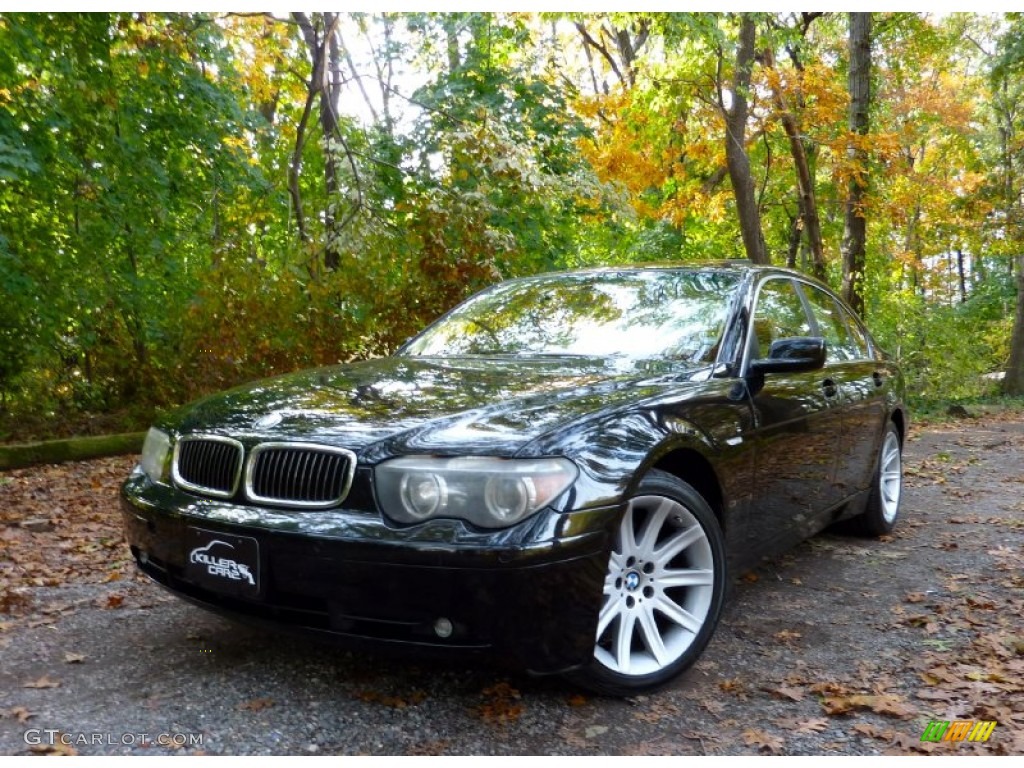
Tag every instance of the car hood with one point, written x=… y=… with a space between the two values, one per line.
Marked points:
x=417 y=404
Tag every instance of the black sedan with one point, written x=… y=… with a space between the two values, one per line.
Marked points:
x=563 y=471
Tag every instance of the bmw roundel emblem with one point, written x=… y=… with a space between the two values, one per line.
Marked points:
x=270 y=420
x=632 y=580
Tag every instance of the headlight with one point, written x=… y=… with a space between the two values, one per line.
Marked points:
x=155 y=451
x=488 y=492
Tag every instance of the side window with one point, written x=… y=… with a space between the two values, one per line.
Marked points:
x=859 y=337
x=779 y=314
x=838 y=342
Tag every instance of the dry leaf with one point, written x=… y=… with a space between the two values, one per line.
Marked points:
x=57 y=748
x=765 y=742
x=869 y=729
x=789 y=692
x=20 y=713
x=713 y=706
x=814 y=725
x=883 y=704
x=42 y=682
x=115 y=601
x=397 y=702
x=74 y=658
x=503 y=707
x=255 y=705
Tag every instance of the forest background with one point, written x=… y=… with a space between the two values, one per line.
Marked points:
x=189 y=201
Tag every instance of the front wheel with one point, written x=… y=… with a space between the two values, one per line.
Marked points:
x=663 y=591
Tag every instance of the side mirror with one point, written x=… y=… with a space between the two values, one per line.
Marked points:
x=793 y=355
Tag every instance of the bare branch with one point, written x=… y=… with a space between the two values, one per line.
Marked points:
x=588 y=40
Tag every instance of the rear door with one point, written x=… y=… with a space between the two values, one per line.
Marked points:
x=860 y=381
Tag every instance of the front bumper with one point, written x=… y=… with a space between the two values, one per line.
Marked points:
x=530 y=594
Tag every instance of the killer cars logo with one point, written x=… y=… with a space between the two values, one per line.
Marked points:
x=221 y=566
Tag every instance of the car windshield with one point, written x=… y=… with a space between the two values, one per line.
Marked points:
x=662 y=314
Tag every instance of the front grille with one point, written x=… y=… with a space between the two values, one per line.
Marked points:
x=299 y=474
x=208 y=464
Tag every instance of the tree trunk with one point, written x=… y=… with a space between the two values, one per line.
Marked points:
x=796 y=229
x=804 y=178
x=736 y=156
x=855 y=227
x=325 y=85
x=1013 y=384
x=961 y=275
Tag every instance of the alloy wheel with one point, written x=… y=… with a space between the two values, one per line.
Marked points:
x=659 y=589
x=890 y=477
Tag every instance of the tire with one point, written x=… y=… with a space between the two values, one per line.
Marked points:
x=883 y=508
x=663 y=591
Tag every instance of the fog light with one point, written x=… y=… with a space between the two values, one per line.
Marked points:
x=443 y=628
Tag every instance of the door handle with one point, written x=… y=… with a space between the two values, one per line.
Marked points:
x=879 y=379
x=829 y=387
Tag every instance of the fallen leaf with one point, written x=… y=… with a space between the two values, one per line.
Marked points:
x=594 y=731
x=868 y=729
x=883 y=704
x=255 y=705
x=74 y=658
x=503 y=706
x=787 y=636
x=42 y=682
x=115 y=601
x=396 y=702
x=788 y=692
x=57 y=748
x=576 y=700
x=814 y=725
x=765 y=742
x=731 y=685
x=915 y=597
x=20 y=713
x=713 y=706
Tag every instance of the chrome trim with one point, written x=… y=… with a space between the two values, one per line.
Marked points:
x=350 y=472
x=186 y=485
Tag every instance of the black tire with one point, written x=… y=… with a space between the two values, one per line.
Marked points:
x=651 y=629
x=881 y=514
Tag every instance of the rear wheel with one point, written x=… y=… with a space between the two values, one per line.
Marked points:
x=883 y=508
x=663 y=590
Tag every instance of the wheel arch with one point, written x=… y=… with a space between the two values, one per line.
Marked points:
x=693 y=468
x=900 y=420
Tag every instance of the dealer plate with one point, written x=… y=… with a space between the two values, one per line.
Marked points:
x=222 y=562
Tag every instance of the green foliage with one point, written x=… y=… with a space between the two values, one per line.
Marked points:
x=149 y=246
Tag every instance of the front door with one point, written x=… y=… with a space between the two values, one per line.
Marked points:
x=798 y=420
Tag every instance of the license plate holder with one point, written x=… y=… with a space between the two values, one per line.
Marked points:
x=223 y=562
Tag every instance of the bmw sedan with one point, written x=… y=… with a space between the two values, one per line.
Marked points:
x=564 y=471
